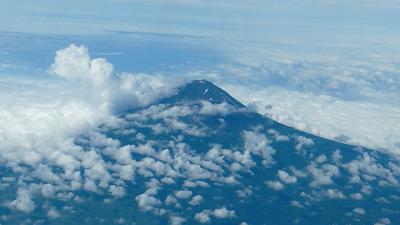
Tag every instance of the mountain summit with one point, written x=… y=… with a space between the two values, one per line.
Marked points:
x=203 y=90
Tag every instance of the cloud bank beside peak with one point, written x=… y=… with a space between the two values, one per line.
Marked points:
x=39 y=119
x=111 y=91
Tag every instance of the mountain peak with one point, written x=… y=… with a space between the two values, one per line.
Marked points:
x=203 y=90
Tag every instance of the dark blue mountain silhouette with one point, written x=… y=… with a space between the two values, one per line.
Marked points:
x=247 y=168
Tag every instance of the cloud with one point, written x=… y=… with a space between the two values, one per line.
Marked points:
x=53 y=214
x=247 y=192
x=258 y=144
x=115 y=92
x=372 y=126
x=203 y=217
x=147 y=202
x=286 y=178
x=334 y=194
x=223 y=213
x=383 y=221
x=169 y=116
x=359 y=211
x=196 y=200
x=176 y=220
x=356 y=196
x=117 y=191
x=41 y=119
x=296 y=204
x=323 y=175
x=337 y=156
x=303 y=142
x=219 y=213
x=216 y=109
x=366 y=168
x=183 y=194
x=275 y=185
x=24 y=201
x=74 y=63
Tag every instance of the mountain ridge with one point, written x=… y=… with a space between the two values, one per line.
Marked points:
x=185 y=94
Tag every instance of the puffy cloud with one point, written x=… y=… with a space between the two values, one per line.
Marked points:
x=356 y=196
x=183 y=194
x=117 y=191
x=197 y=183
x=24 y=201
x=281 y=138
x=72 y=63
x=359 y=211
x=113 y=92
x=276 y=185
x=220 y=213
x=53 y=214
x=367 y=168
x=216 y=109
x=286 y=178
x=303 y=142
x=258 y=144
x=203 y=217
x=321 y=159
x=337 y=156
x=42 y=123
x=383 y=221
x=147 y=202
x=334 y=194
x=223 y=212
x=296 y=204
x=176 y=220
x=169 y=116
x=48 y=190
x=323 y=175
x=297 y=173
x=244 y=193
x=196 y=200
x=170 y=200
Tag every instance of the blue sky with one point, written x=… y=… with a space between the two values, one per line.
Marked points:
x=330 y=67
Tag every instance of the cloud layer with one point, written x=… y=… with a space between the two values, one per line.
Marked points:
x=114 y=92
x=41 y=118
x=371 y=125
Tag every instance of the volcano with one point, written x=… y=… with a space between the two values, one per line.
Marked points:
x=202 y=157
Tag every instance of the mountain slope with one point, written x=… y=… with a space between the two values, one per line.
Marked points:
x=200 y=156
